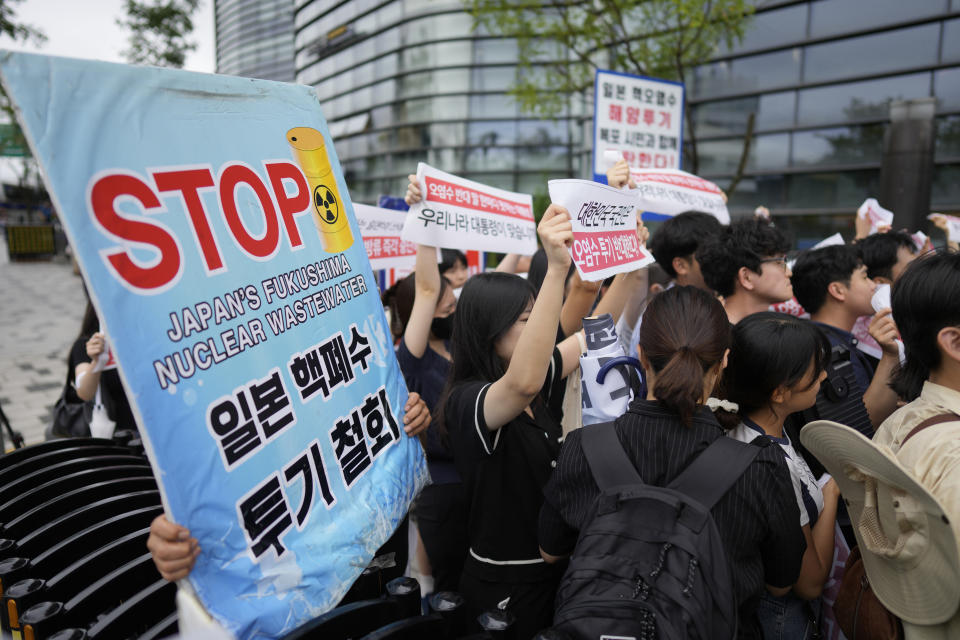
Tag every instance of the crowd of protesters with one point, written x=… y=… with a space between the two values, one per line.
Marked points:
x=512 y=489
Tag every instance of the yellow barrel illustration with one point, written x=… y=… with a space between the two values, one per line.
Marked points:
x=329 y=213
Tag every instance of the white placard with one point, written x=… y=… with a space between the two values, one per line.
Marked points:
x=670 y=192
x=604 y=221
x=456 y=213
x=835 y=239
x=877 y=215
x=953 y=226
x=380 y=229
x=639 y=118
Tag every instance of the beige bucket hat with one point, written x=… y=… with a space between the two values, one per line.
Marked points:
x=908 y=545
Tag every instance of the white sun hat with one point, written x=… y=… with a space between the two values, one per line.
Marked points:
x=908 y=545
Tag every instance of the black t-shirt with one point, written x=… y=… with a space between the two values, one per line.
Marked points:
x=758 y=518
x=112 y=393
x=504 y=472
x=427 y=375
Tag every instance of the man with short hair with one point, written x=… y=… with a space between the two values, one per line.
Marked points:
x=675 y=243
x=886 y=255
x=925 y=434
x=746 y=264
x=832 y=285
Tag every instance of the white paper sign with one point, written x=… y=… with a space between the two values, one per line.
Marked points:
x=604 y=221
x=380 y=230
x=456 y=213
x=835 y=239
x=953 y=226
x=639 y=118
x=670 y=192
x=877 y=215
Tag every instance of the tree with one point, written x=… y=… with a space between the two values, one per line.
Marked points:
x=656 y=38
x=159 y=31
x=13 y=142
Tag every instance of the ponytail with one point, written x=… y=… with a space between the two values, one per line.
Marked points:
x=679 y=384
x=684 y=334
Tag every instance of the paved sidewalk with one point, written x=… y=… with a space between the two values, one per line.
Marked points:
x=41 y=307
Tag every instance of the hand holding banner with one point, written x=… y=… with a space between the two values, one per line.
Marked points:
x=456 y=213
x=605 y=240
x=670 y=192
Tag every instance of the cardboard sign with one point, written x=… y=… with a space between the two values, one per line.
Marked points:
x=639 y=119
x=877 y=215
x=226 y=265
x=604 y=219
x=462 y=214
x=380 y=230
x=670 y=192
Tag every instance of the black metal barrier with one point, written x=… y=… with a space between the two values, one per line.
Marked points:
x=74 y=519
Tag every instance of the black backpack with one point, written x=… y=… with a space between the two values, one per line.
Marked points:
x=651 y=564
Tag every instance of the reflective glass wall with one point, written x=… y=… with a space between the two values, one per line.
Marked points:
x=819 y=77
x=405 y=81
x=255 y=38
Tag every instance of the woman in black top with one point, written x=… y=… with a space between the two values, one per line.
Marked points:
x=504 y=438
x=684 y=344
x=86 y=350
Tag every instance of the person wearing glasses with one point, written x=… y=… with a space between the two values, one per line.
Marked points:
x=746 y=264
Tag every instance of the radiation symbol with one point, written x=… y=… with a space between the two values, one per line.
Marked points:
x=326 y=204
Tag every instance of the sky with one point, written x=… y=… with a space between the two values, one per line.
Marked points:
x=88 y=29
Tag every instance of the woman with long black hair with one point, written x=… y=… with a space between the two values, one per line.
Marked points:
x=777 y=363
x=506 y=366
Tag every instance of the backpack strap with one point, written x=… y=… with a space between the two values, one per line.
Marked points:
x=929 y=422
x=715 y=470
x=608 y=461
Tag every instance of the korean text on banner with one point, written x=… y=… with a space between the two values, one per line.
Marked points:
x=380 y=230
x=670 y=192
x=604 y=221
x=224 y=263
x=877 y=215
x=639 y=119
x=461 y=214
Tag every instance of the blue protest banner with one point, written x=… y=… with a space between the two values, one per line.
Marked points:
x=216 y=236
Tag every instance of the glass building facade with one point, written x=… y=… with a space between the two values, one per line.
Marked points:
x=255 y=38
x=408 y=80
x=819 y=77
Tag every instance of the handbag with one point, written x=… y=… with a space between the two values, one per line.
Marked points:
x=858 y=611
x=70 y=419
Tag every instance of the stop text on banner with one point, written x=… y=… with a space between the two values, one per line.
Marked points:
x=456 y=213
x=604 y=220
x=224 y=265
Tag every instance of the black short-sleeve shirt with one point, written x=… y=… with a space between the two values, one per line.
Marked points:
x=757 y=519
x=504 y=472
x=426 y=375
x=112 y=392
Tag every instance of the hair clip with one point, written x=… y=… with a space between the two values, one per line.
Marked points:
x=716 y=403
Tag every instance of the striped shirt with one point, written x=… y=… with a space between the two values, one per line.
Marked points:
x=757 y=519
